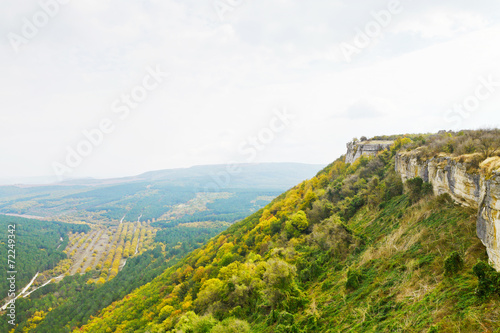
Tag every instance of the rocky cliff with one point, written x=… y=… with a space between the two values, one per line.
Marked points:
x=368 y=148
x=479 y=191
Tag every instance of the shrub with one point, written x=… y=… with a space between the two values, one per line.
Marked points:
x=321 y=209
x=186 y=322
x=231 y=325
x=296 y=225
x=484 y=141
x=393 y=186
x=354 y=279
x=488 y=279
x=467 y=146
x=299 y=220
x=276 y=226
x=400 y=143
x=489 y=143
x=427 y=189
x=332 y=237
x=204 y=324
x=417 y=189
x=350 y=206
x=453 y=263
x=444 y=199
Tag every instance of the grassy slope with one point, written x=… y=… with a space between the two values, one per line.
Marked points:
x=379 y=269
x=403 y=287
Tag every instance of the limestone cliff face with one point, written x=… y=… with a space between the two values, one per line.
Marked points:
x=367 y=148
x=473 y=190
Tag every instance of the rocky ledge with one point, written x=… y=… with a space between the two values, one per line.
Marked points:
x=356 y=149
x=480 y=191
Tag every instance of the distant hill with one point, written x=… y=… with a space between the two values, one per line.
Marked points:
x=152 y=194
x=265 y=175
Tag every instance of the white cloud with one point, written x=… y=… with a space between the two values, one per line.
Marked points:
x=228 y=76
x=362 y=110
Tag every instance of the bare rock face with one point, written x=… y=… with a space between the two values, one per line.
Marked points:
x=368 y=148
x=473 y=190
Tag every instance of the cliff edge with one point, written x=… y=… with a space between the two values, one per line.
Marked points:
x=355 y=149
x=480 y=191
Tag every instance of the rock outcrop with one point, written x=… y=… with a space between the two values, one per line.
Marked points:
x=481 y=192
x=369 y=148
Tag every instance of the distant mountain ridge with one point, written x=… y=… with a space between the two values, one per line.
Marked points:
x=243 y=172
x=153 y=194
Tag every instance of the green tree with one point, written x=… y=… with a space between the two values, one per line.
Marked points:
x=279 y=278
x=299 y=221
x=209 y=295
x=417 y=188
x=231 y=325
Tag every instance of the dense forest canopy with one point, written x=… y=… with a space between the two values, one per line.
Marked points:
x=39 y=246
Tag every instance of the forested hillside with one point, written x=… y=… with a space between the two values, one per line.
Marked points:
x=123 y=233
x=35 y=246
x=86 y=285
x=351 y=250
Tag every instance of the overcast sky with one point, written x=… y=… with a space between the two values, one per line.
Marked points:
x=339 y=69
